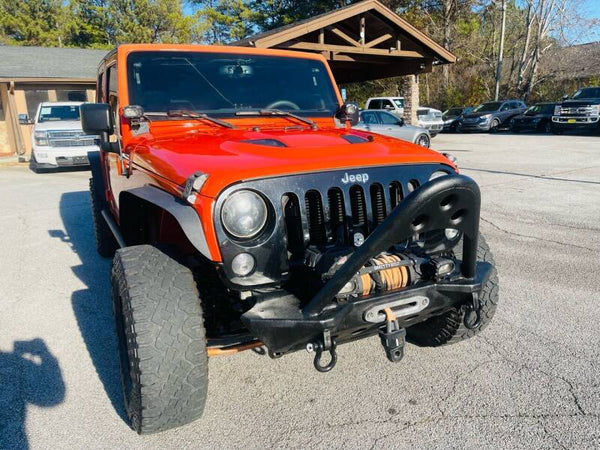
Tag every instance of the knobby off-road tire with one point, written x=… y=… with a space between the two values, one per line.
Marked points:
x=449 y=327
x=106 y=244
x=161 y=339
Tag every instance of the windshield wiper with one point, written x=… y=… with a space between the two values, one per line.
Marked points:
x=201 y=116
x=277 y=112
x=190 y=114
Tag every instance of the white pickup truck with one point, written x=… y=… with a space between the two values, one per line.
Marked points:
x=57 y=138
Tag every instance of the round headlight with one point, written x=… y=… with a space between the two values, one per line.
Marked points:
x=437 y=174
x=244 y=214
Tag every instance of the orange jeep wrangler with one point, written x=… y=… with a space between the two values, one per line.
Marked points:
x=243 y=211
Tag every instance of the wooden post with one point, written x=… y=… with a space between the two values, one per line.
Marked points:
x=362 y=30
x=322 y=36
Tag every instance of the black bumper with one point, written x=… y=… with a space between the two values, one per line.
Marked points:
x=285 y=325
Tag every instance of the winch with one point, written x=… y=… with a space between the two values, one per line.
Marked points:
x=388 y=271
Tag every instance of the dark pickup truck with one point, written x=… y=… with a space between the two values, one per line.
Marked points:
x=580 y=112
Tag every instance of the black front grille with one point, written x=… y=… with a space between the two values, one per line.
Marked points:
x=342 y=212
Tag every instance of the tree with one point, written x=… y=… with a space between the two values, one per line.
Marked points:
x=148 y=21
x=33 y=22
x=224 y=21
x=88 y=24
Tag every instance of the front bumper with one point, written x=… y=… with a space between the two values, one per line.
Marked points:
x=565 y=123
x=54 y=157
x=280 y=320
x=475 y=126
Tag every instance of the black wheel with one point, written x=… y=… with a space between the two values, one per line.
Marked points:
x=106 y=244
x=423 y=140
x=449 y=327
x=556 y=131
x=494 y=125
x=161 y=339
x=547 y=127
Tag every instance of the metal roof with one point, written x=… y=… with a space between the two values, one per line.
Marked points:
x=21 y=63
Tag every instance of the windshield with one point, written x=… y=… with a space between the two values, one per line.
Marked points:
x=221 y=84
x=587 y=93
x=57 y=113
x=488 y=107
x=399 y=102
x=453 y=112
x=539 y=109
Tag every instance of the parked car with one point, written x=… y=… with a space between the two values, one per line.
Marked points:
x=57 y=138
x=537 y=118
x=394 y=105
x=491 y=116
x=580 y=112
x=238 y=224
x=431 y=119
x=382 y=122
x=452 y=116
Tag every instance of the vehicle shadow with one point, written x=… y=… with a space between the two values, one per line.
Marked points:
x=30 y=374
x=92 y=305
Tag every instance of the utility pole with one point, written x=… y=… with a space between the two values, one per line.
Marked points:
x=501 y=51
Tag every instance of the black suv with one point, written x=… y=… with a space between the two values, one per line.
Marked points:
x=537 y=118
x=491 y=116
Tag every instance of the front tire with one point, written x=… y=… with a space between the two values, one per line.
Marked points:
x=449 y=328
x=161 y=339
x=423 y=140
x=494 y=125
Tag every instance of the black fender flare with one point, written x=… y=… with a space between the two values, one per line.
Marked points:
x=184 y=214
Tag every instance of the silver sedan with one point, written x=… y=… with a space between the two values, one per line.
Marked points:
x=383 y=122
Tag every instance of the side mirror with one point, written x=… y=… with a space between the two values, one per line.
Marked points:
x=348 y=112
x=565 y=97
x=400 y=122
x=388 y=107
x=24 y=119
x=95 y=120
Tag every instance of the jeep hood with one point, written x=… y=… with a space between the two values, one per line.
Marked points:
x=236 y=155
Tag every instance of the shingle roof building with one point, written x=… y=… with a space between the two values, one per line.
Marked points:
x=19 y=63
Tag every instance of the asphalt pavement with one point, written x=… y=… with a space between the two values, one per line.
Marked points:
x=530 y=380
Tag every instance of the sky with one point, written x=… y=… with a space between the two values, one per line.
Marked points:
x=590 y=9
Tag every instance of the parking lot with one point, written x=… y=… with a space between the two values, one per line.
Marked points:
x=530 y=380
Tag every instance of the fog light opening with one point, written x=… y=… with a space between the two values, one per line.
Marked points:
x=243 y=264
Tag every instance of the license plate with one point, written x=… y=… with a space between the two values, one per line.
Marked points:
x=572 y=121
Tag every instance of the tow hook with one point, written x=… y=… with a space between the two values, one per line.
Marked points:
x=328 y=345
x=393 y=338
x=473 y=308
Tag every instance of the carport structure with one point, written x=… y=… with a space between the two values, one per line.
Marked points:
x=364 y=41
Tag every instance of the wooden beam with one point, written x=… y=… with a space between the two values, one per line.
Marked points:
x=345 y=37
x=348 y=49
x=322 y=36
x=379 y=40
